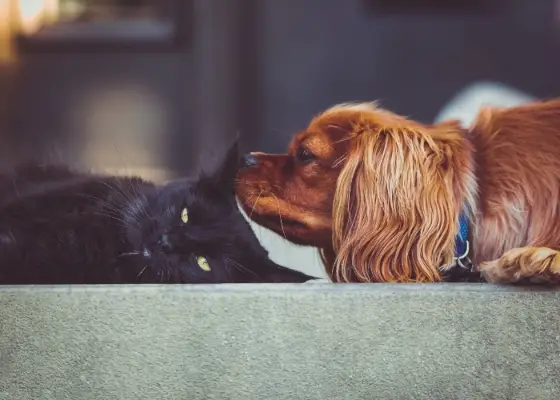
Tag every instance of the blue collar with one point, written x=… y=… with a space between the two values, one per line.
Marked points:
x=462 y=238
x=462 y=248
x=462 y=269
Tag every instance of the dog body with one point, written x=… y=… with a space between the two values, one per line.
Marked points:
x=382 y=195
x=517 y=161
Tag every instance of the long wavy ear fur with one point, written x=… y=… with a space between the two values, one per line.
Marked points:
x=397 y=201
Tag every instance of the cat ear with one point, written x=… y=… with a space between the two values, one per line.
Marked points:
x=223 y=175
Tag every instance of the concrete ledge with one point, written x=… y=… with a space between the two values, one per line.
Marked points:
x=322 y=341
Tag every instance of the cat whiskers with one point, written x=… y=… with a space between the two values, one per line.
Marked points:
x=240 y=267
x=111 y=211
x=134 y=182
x=115 y=190
x=127 y=196
x=141 y=272
x=121 y=221
x=131 y=253
x=105 y=203
x=136 y=194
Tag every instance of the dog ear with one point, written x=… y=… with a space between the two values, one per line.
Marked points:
x=395 y=211
x=224 y=173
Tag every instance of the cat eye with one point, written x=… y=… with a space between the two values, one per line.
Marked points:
x=203 y=263
x=185 y=215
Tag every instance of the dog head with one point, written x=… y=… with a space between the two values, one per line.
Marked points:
x=379 y=192
x=292 y=194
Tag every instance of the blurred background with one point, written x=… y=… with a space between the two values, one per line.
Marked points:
x=152 y=86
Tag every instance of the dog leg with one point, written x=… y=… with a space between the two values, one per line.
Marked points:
x=524 y=263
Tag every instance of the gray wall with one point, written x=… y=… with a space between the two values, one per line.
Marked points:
x=51 y=86
x=268 y=65
x=315 y=53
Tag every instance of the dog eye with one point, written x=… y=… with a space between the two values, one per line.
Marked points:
x=304 y=156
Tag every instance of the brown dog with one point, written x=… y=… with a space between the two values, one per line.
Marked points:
x=383 y=196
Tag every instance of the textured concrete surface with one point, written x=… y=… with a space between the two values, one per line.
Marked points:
x=246 y=342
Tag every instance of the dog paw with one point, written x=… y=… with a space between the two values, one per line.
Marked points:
x=536 y=264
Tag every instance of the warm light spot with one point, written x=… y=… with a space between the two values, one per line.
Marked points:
x=31 y=14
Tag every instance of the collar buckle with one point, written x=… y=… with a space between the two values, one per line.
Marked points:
x=463 y=261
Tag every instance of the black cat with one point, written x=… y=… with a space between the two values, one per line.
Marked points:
x=60 y=226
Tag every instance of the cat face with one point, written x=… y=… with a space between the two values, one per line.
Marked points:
x=191 y=231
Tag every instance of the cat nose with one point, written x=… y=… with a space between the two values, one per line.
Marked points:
x=164 y=242
x=248 y=160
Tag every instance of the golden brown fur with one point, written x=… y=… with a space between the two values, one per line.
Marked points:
x=382 y=194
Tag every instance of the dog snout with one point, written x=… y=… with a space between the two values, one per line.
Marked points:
x=249 y=160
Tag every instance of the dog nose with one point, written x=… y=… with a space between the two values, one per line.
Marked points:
x=164 y=242
x=249 y=160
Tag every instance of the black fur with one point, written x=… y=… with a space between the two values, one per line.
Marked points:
x=60 y=226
